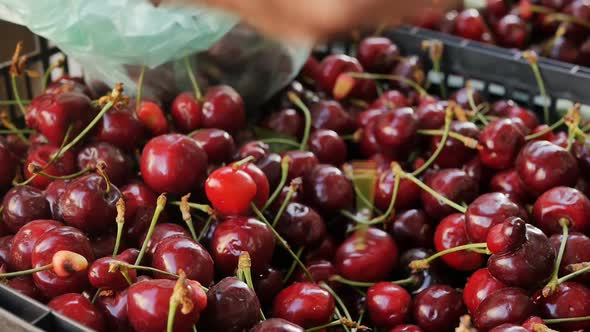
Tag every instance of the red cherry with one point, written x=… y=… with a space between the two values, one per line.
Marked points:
x=391 y=99
x=406 y=328
x=26 y=286
x=256 y=149
x=501 y=141
x=40 y=155
x=470 y=24
x=152 y=117
x=231 y=191
x=114 y=309
x=262 y=185
x=173 y=163
x=461 y=97
x=388 y=304
x=23 y=204
x=367 y=255
x=451 y=233
x=300 y=163
x=328 y=147
x=438 y=308
x=223 y=108
x=148 y=303
x=511 y=31
x=186 y=112
x=329 y=114
x=479 y=286
x=304 y=304
x=120 y=127
x=137 y=195
x=80 y=309
x=455 y=153
x=287 y=121
x=24 y=240
x=562 y=202
x=453 y=184
x=161 y=232
x=236 y=235
x=217 y=143
x=276 y=325
x=570 y=299
x=119 y=166
x=180 y=253
x=507 y=305
x=486 y=211
x=396 y=128
x=510 y=183
x=68 y=83
x=100 y=277
x=377 y=54
x=506 y=236
x=432 y=116
x=327 y=189
x=412 y=229
x=268 y=284
x=384 y=190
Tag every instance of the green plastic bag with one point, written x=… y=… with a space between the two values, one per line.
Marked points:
x=112 y=39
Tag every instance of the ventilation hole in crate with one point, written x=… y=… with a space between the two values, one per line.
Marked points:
x=585 y=110
x=540 y=101
x=477 y=84
x=496 y=89
x=455 y=81
x=520 y=96
x=435 y=77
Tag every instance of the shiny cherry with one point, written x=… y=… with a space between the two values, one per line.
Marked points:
x=577 y=250
x=438 y=308
x=406 y=328
x=118 y=163
x=301 y=225
x=507 y=305
x=509 y=183
x=80 y=309
x=186 y=112
x=570 y=299
x=100 y=277
x=268 y=284
x=26 y=286
x=136 y=195
x=470 y=24
x=304 y=304
x=217 y=143
x=223 y=108
x=412 y=229
x=161 y=232
x=396 y=128
x=180 y=253
x=453 y=184
x=450 y=233
x=378 y=54
x=506 y=236
x=431 y=116
x=173 y=163
x=388 y=304
x=286 y=121
x=511 y=31
x=40 y=155
x=23 y=204
x=501 y=140
x=152 y=116
x=390 y=99
x=486 y=211
x=300 y=163
x=327 y=189
x=276 y=325
x=231 y=191
x=562 y=203
x=480 y=285
x=261 y=181
x=256 y=149
x=329 y=114
x=24 y=240
x=455 y=153
x=120 y=127
x=410 y=67
x=328 y=147
x=68 y=83
x=461 y=97
x=114 y=309
x=384 y=190
x=367 y=255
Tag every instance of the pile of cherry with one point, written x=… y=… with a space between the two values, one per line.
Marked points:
x=559 y=29
x=360 y=203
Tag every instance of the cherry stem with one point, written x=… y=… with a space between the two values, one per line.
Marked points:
x=579 y=268
x=432 y=192
x=475 y=108
x=58 y=64
x=101 y=169
x=423 y=264
x=124 y=266
x=546 y=130
x=338 y=300
x=294 y=98
x=120 y=220
x=201 y=207
x=13 y=102
x=26 y=272
x=12 y=129
x=285 y=141
x=566 y=320
x=469 y=142
x=35 y=170
x=160 y=204
x=171 y=313
x=435 y=50
x=178 y=294
x=21 y=107
x=205 y=228
x=244 y=273
x=139 y=89
x=191 y=76
x=185 y=210
x=554 y=282
x=96 y=295
x=127 y=278
x=407 y=281
x=236 y=165
x=363 y=175
x=397 y=170
x=441 y=144
x=559 y=32
x=345 y=322
x=531 y=58
x=293 y=187
x=282 y=241
x=284 y=174
x=396 y=78
x=293 y=266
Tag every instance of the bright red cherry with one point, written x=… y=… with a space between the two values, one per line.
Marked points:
x=231 y=191
x=223 y=108
x=100 y=277
x=217 y=143
x=180 y=253
x=40 y=155
x=378 y=54
x=162 y=231
x=186 y=112
x=332 y=66
x=470 y=24
x=24 y=240
x=501 y=140
x=367 y=255
x=262 y=185
x=136 y=195
x=479 y=286
x=173 y=163
x=80 y=309
x=152 y=117
x=388 y=304
x=486 y=211
x=432 y=116
x=510 y=183
x=390 y=99
x=506 y=236
x=304 y=304
x=511 y=31
x=236 y=235
x=396 y=128
x=562 y=203
x=451 y=233
x=577 y=250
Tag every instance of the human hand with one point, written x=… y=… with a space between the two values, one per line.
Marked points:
x=312 y=20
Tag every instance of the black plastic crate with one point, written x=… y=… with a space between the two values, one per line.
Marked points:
x=495 y=72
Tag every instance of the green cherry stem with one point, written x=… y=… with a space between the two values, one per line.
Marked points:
x=546 y=130
x=438 y=196
x=293 y=266
x=566 y=320
x=469 y=142
x=160 y=204
x=191 y=76
x=396 y=78
x=338 y=300
x=282 y=241
x=201 y=207
x=423 y=264
x=26 y=272
x=13 y=102
x=532 y=59
x=244 y=273
x=294 y=98
x=58 y=64
x=139 y=89
x=435 y=51
x=397 y=170
x=284 y=141
x=205 y=228
x=293 y=187
x=578 y=269
x=554 y=282
x=185 y=211
x=441 y=144
x=120 y=220
x=284 y=174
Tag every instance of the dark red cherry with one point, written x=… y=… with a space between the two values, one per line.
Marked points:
x=506 y=236
x=396 y=128
x=50 y=242
x=173 y=163
x=480 y=285
x=180 y=253
x=369 y=145
x=120 y=127
x=270 y=165
x=259 y=178
x=438 y=308
x=496 y=8
x=486 y=211
x=507 y=305
x=114 y=309
x=118 y=164
x=562 y=203
x=564 y=49
x=276 y=325
x=526 y=116
x=461 y=97
x=137 y=195
x=301 y=225
x=89 y=203
x=268 y=284
x=501 y=140
x=236 y=235
x=103 y=244
x=455 y=153
x=388 y=304
x=320 y=270
x=300 y=163
x=325 y=250
x=9 y=161
x=286 y=121
x=68 y=83
x=543 y=165
x=327 y=189
x=470 y=24
x=332 y=66
x=377 y=54
x=231 y=306
x=100 y=277
x=363 y=118
x=451 y=233
x=52 y=193
x=580 y=10
x=328 y=147
x=329 y=114
x=410 y=67
x=390 y=99
x=570 y=299
x=367 y=255
x=23 y=204
x=453 y=184
x=52 y=115
x=412 y=229
x=5 y=249
x=582 y=153
x=509 y=183
x=148 y=303
x=406 y=328
x=509 y=328
x=152 y=117
x=161 y=232
x=40 y=155
x=80 y=309
x=432 y=116
x=384 y=190
x=186 y=112
x=24 y=240
x=256 y=149
x=223 y=108
x=511 y=31
x=527 y=266
x=577 y=250
x=26 y=286
x=304 y=304
x=217 y=143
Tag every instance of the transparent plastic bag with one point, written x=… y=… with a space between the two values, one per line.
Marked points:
x=112 y=39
